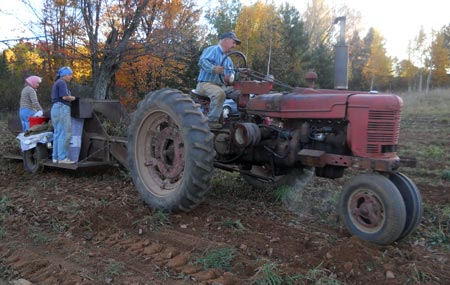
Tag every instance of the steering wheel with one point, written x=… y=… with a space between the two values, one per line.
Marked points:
x=239 y=64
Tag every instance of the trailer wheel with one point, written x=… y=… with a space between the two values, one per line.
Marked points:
x=372 y=209
x=32 y=158
x=170 y=151
x=413 y=202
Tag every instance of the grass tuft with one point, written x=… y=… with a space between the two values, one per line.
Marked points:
x=218 y=258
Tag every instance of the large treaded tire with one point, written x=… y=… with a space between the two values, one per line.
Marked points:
x=373 y=209
x=170 y=151
x=413 y=202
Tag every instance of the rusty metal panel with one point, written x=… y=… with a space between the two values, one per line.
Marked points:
x=384 y=165
x=253 y=87
x=112 y=110
x=81 y=108
x=119 y=151
x=337 y=159
x=312 y=157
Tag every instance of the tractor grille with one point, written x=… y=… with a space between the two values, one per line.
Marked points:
x=383 y=130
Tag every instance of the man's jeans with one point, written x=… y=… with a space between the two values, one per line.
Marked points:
x=217 y=96
x=25 y=115
x=62 y=133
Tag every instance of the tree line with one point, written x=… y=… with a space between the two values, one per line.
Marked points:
x=126 y=48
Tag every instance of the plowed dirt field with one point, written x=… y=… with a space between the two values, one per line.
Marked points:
x=90 y=227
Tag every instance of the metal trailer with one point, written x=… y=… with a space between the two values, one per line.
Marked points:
x=96 y=146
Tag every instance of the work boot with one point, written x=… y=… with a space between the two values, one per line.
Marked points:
x=214 y=125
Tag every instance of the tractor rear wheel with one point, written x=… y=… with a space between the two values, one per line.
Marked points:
x=170 y=151
x=373 y=209
x=413 y=202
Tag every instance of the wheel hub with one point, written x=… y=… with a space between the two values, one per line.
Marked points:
x=366 y=209
x=169 y=153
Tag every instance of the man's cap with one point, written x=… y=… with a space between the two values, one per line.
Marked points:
x=230 y=35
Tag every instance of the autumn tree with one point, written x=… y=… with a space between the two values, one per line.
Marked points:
x=406 y=71
x=358 y=56
x=289 y=61
x=440 y=60
x=222 y=18
x=122 y=19
x=420 y=48
x=379 y=66
x=252 y=23
x=318 y=20
x=169 y=53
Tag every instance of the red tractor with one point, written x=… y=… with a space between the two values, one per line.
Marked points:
x=172 y=153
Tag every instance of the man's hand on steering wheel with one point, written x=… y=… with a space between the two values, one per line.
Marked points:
x=218 y=69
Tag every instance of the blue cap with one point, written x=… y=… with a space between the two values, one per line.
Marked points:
x=230 y=35
x=63 y=71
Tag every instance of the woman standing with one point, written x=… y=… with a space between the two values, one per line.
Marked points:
x=60 y=114
x=29 y=103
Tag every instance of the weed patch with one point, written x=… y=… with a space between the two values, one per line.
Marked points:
x=218 y=258
x=446 y=174
x=155 y=221
x=6 y=271
x=436 y=230
x=114 y=268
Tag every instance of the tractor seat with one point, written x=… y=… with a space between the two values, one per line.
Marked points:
x=199 y=98
x=230 y=94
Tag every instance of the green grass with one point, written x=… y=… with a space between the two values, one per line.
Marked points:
x=39 y=237
x=436 y=103
x=282 y=192
x=155 y=221
x=217 y=258
x=446 y=174
x=421 y=277
x=319 y=275
x=435 y=228
x=114 y=268
x=2 y=233
x=269 y=274
x=6 y=271
x=4 y=204
x=234 y=224
x=58 y=226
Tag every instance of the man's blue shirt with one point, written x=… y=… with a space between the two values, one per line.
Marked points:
x=212 y=56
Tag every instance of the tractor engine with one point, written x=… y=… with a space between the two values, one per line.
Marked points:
x=330 y=130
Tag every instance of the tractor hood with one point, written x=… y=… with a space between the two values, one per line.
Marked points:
x=318 y=104
x=294 y=105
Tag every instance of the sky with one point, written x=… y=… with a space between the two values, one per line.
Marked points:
x=398 y=21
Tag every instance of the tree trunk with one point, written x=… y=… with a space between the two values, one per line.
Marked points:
x=420 y=81
x=427 y=87
x=101 y=85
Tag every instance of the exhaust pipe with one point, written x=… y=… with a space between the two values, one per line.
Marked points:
x=341 y=58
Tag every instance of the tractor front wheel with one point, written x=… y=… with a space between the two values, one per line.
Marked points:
x=372 y=208
x=413 y=202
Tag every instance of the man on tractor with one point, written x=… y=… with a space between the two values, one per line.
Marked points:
x=209 y=83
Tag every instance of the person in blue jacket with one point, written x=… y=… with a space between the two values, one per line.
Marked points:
x=209 y=83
